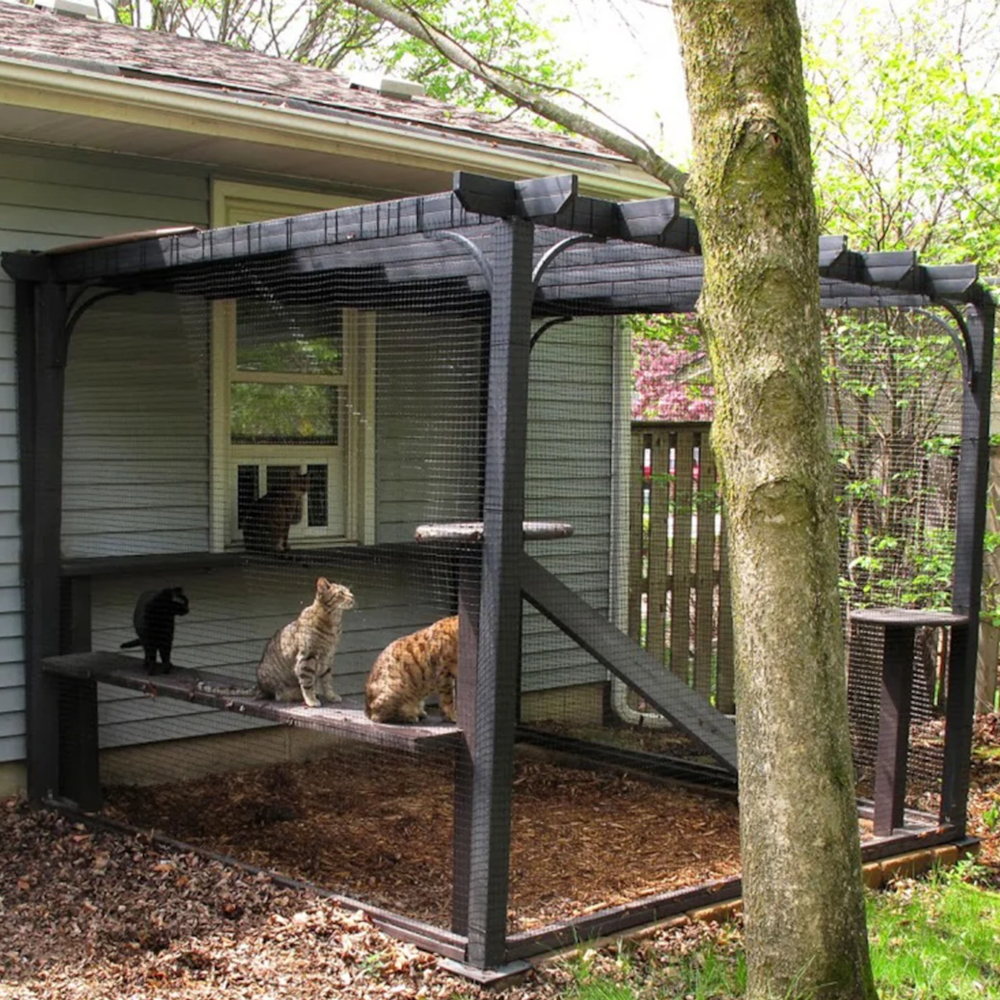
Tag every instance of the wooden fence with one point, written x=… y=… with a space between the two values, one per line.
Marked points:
x=679 y=599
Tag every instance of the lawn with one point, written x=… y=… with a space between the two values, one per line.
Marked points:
x=932 y=939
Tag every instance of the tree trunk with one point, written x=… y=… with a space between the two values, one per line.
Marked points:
x=803 y=897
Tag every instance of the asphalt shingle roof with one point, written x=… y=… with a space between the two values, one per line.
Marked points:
x=193 y=64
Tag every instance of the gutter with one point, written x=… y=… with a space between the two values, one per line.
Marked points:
x=88 y=94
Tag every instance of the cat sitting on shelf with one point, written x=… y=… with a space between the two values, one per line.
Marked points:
x=269 y=518
x=153 y=618
x=410 y=669
x=298 y=658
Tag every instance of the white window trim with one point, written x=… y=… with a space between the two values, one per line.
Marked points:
x=232 y=204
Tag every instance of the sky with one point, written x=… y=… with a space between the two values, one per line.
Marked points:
x=630 y=47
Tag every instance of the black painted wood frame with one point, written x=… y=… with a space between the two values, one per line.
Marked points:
x=41 y=309
x=970 y=527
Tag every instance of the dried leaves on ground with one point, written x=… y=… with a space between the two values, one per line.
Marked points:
x=97 y=914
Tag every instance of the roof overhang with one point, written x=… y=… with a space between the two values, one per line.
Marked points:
x=78 y=108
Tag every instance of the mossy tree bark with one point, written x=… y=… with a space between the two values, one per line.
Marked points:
x=752 y=182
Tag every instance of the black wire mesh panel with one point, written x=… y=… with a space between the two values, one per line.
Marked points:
x=895 y=410
x=895 y=402
x=235 y=444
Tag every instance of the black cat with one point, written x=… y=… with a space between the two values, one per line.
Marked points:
x=154 y=623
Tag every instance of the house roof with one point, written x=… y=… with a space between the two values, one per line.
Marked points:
x=192 y=65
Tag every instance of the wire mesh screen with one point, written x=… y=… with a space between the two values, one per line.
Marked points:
x=895 y=391
x=247 y=462
x=895 y=394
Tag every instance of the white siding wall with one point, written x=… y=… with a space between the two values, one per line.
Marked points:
x=48 y=198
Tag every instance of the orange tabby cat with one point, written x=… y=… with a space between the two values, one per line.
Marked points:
x=410 y=669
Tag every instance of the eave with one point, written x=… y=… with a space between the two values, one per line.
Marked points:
x=85 y=109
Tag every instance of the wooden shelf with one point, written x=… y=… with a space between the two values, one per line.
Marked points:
x=169 y=562
x=906 y=617
x=346 y=718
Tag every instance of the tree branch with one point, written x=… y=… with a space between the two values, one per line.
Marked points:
x=524 y=96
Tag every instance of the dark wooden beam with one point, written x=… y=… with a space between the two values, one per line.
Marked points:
x=499 y=639
x=630 y=662
x=485 y=195
x=543 y=199
x=345 y=718
x=41 y=356
x=970 y=526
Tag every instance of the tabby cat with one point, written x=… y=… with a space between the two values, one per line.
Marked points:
x=153 y=619
x=299 y=657
x=269 y=517
x=410 y=669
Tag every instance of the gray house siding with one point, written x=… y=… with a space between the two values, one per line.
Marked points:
x=48 y=198
x=135 y=447
x=569 y=478
x=428 y=425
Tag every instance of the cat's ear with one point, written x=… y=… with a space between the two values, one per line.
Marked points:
x=322 y=583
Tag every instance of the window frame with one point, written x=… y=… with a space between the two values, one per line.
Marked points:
x=352 y=459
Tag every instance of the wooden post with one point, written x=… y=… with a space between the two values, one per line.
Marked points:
x=469 y=569
x=973 y=473
x=491 y=747
x=893 y=729
x=989 y=635
x=41 y=355
x=79 y=766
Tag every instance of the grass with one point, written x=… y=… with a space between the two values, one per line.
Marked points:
x=935 y=939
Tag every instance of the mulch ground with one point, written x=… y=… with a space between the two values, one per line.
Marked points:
x=90 y=914
x=378 y=827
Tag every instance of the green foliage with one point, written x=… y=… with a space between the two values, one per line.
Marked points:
x=991 y=816
x=891 y=377
x=905 y=133
x=936 y=940
x=500 y=33
x=717 y=969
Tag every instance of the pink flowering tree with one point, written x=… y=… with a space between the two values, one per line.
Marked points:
x=671 y=378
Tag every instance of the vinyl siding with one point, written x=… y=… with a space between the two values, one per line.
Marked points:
x=136 y=440
x=569 y=478
x=47 y=198
x=428 y=423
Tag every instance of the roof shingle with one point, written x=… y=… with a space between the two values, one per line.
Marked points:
x=187 y=64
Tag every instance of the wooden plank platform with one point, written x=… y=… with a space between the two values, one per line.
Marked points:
x=628 y=661
x=346 y=718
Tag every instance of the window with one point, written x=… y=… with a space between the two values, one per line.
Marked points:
x=291 y=394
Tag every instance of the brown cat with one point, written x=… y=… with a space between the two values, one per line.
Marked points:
x=410 y=669
x=265 y=528
x=299 y=657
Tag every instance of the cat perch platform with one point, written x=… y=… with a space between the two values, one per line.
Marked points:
x=470 y=532
x=80 y=672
